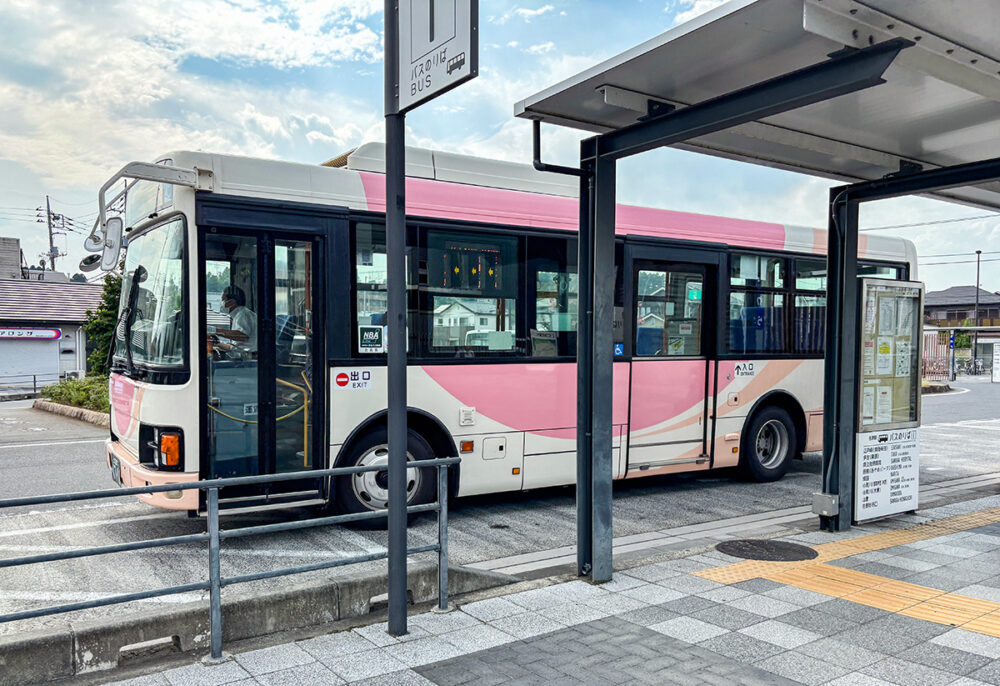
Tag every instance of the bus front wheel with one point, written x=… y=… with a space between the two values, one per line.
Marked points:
x=768 y=445
x=369 y=491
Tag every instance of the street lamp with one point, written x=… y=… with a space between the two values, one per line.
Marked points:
x=975 y=333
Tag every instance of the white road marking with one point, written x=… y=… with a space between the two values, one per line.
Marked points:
x=85 y=596
x=42 y=445
x=75 y=508
x=87 y=525
x=958 y=390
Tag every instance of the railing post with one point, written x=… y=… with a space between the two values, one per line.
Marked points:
x=34 y=383
x=442 y=537
x=215 y=577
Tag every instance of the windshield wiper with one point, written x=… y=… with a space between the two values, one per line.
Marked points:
x=138 y=276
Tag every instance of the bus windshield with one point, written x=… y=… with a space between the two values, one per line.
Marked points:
x=155 y=324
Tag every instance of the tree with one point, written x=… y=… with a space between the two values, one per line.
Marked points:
x=100 y=326
x=78 y=278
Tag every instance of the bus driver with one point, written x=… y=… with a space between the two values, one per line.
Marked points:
x=244 y=321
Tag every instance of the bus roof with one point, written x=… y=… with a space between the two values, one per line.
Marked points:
x=498 y=192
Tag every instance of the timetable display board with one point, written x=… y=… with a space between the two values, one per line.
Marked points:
x=887 y=456
x=891 y=316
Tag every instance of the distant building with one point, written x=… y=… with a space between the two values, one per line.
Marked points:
x=41 y=319
x=956 y=306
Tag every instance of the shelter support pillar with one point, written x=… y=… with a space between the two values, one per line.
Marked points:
x=595 y=355
x=841 y=362
x=840 y=397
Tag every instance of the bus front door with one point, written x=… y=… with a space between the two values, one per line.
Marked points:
x=263 y=390
x=668 y=408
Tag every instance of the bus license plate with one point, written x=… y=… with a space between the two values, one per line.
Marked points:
x=116 y=470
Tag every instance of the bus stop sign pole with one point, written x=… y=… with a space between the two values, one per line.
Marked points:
x=431 y=46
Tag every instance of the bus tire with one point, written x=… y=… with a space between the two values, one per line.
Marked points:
x=768 y=445
x=368 y=491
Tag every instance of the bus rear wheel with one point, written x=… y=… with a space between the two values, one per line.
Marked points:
x=369 y=491
x=768 y=445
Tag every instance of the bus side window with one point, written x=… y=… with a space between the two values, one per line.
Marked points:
x=370 y=275
x=552 y=280
x=470 y=301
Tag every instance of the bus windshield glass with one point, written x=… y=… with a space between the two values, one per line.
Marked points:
x=155 y=324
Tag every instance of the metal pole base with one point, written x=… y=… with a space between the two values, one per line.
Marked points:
x=209 y=660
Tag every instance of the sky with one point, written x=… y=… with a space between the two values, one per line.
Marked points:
x=87 y=86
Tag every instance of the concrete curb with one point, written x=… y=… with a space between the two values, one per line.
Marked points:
x=936 y=387
x=92 y=646
x=83 y=414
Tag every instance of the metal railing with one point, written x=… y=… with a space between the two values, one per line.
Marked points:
x=215 y=535
x=26 y=381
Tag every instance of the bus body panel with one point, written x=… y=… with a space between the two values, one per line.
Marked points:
x=533 y=405
x=529 y=408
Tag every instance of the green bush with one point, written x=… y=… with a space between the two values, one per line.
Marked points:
x=90 y=392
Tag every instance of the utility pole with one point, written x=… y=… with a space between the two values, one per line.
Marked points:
x=975 y=334
x=52 y=245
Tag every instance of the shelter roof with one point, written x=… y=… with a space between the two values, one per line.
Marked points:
x=940 y=105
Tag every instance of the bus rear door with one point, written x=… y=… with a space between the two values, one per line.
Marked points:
x=672 y=313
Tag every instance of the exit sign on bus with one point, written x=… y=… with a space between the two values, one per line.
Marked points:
x=438 y=48
x=694 y=294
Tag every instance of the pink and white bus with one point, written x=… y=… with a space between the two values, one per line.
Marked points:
x=252 y=333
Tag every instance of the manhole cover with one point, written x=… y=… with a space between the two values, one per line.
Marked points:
x=769 y=551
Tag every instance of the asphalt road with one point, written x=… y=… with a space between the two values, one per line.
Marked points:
x=42 y=453
x=959 y=438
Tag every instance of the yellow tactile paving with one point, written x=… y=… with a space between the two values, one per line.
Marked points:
x=962 y=602
x=873 y=597
x=987 y=624
x=939 y=615
x=920 y=602
x=901 y=588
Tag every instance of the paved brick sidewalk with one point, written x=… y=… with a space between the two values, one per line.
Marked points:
x=662 y=623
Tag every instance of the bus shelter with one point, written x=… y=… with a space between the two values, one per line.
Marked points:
x=892 y=97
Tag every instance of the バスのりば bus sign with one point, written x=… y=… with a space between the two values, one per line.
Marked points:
x=30 y=334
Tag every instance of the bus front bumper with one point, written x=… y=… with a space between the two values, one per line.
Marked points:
x=135 y=475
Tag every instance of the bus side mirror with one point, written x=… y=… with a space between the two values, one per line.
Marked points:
x=112 y=243
x=90 y=263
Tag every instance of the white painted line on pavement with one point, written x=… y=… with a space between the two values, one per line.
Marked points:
x=85 y=596
x=957 y=391
x=90 y=506
x=86 y=525
x=42 y=445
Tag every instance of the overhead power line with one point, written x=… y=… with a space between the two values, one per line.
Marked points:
x=932 y=223
x=963 y=254
x=933 y=264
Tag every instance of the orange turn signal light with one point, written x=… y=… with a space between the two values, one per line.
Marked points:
x=515 y=470
x=170 y=449
x=735 y=449
x=467 y=446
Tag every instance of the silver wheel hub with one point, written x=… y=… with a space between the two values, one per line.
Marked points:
x=372 y=488
x=771 y=444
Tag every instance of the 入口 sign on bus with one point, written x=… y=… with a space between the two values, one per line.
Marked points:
x=438 y=47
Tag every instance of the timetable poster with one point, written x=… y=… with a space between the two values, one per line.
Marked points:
x=889 y=355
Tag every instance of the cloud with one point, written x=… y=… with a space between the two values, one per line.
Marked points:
x=689 y=9
x=541 y=48
x=117 y=89
x=523 y=13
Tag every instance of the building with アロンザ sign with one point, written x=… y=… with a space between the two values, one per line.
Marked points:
x=41 y=334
